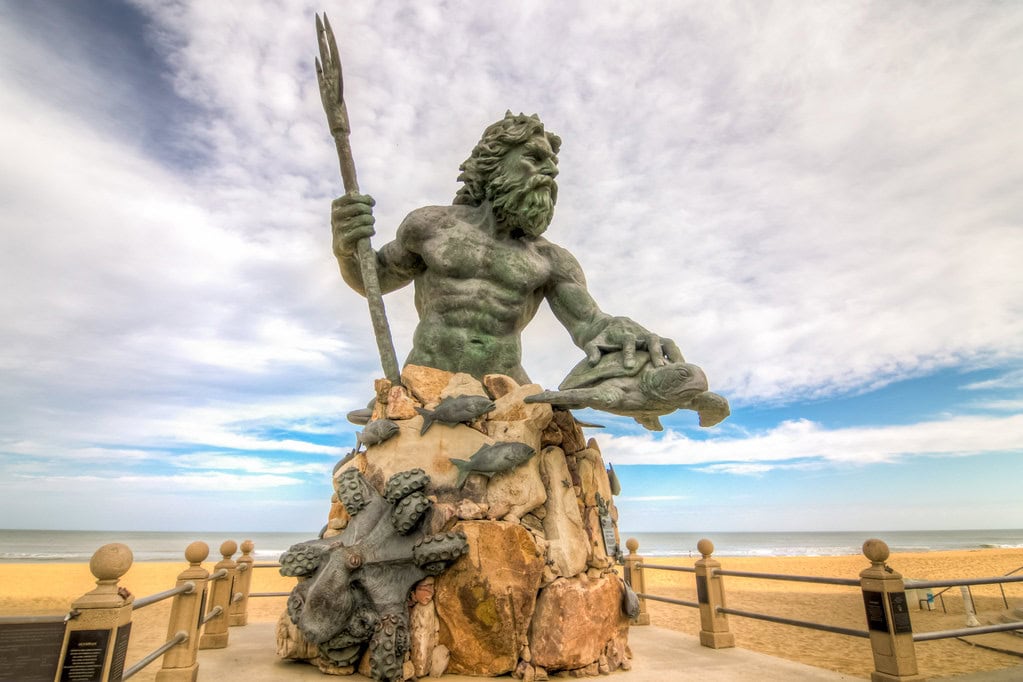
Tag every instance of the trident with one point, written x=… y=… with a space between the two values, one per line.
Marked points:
x=328 y=75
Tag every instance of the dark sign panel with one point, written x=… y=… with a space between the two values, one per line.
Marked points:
x=702 y=595
x=120 y=653
x=900 y=612
x=877 y=620
x=86 y=652
x=30 y=652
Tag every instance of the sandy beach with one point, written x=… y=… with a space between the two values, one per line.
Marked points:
x=33 y=589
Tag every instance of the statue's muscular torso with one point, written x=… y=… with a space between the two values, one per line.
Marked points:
x=476 y=288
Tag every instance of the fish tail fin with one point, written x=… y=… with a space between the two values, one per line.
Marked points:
x=464 y=468
x=427 y=419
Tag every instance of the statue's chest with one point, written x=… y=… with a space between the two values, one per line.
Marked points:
x=475 y=255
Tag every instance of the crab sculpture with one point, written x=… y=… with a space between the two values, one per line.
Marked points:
x=354 y=587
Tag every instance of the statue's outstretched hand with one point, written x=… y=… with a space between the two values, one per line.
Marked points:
x=351 y=219
x=621 y=333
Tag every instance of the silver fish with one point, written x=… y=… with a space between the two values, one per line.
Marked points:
x=453 y=411
x=377 y=431
x=493 y=459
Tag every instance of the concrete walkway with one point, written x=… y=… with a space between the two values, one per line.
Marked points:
x=659 y=655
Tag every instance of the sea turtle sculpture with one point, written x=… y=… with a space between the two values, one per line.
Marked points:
x=644 y=392
x=357 y=584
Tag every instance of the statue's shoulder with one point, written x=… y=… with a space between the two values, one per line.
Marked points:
x=439 y=217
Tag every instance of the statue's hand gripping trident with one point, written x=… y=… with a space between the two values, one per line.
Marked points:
x=328 y=75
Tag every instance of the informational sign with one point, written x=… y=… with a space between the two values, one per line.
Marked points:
x=120 y=653
x=30 y=652
x=900 y=612
x=607 y=528
x=702 y=594
x=86 y=653
x=877 y=619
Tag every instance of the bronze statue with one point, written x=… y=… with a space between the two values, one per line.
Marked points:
x=482 y=266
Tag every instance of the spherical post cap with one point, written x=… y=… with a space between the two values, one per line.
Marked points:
x=705 y=547
x=228 y=548
x=111 y=561
x=632 y=544
x=876 y=550
x=197 y=552
x=248 y=546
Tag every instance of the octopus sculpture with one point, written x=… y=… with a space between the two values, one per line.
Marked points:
x=353 y=588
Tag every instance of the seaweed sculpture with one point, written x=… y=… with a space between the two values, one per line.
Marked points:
x=354 y=587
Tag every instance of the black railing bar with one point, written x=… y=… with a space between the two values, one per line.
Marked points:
x=269 y=594
x=184 y=588
x=961 y=582
x=180 y=637
x=1015 y=571
x=966 y=632
x=218 y=574
x=684 y=569
x=669 y=600
x=19 y=620
x=798 y=623
x=848 y=582
x=275 y=564
x=214 y=612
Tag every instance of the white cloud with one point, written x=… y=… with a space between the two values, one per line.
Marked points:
x=803 y=439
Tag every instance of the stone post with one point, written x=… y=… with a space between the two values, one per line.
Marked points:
x=214 y=635
x=239 y=611
x=179 y=663
x=891 y=634
x=634 y=576
x=710 y=593
x=96 y=637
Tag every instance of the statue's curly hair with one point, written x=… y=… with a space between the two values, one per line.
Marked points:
x=497 y=140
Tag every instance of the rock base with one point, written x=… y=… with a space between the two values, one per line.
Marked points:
x=538 y=591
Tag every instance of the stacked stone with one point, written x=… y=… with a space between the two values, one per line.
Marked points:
x=538 y=592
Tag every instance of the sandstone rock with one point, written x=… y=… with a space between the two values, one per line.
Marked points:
x=463 y=384
x=592 y=476
x=517 y=491
x=572 y=435
x=569 y=544
x=467 y=510
x=399 y=404
x=425 y=383
x=551 y=435
x=424 y=626
x=431 y=452
x=562 y=642
x=439 y=661
x=598 y=554
x=485 y=600
x=499 y=385
x=291 y=645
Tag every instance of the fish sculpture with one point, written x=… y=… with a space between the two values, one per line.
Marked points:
x=458 y=410
x=643 y=391
x=612 y=480
x=376 y=432
x=493 y=459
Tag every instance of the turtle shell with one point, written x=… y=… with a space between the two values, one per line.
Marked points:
x=610 y=366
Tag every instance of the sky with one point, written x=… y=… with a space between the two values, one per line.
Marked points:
x=819 y=202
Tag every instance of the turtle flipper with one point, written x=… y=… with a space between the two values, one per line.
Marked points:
x=601 y=398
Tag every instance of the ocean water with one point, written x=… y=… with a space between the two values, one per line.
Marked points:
x=823 y=543
x=78 y=546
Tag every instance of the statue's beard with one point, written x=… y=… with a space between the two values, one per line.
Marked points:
x=527 y=208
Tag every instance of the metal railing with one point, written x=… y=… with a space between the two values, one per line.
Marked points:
x=888 y=624
x=202 y=602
